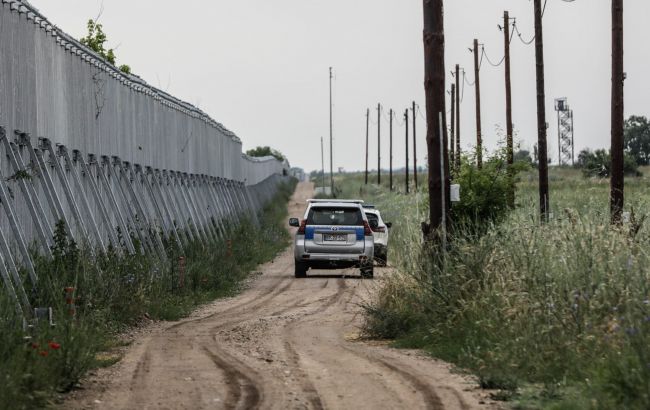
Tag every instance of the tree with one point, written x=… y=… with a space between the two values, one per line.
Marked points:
x=95 y=41
x=265 y=152
x=637 y=139
x=598 y=164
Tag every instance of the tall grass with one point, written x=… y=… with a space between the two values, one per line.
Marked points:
x=114 y=292
x=563 y=306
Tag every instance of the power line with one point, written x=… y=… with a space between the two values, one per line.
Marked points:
x=516 y=29
x=490 y=61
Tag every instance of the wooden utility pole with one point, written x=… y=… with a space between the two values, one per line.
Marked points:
x=457 y=159
x=322 y=161
x=453 y=124
x=509 y=138
x=542 y=151
x=617 y=183
x=331 y=140
x=390 y=167
x=434 y=86
x=477 y=87
x=406 y=122
x=415 y=150
x=367 y=136
x=378 y=144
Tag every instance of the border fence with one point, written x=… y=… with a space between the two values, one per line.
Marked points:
x=120 y=162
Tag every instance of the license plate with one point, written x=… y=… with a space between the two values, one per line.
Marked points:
x=335 y=237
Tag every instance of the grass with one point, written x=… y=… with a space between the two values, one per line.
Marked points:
x=556 y=315
x=113 y=293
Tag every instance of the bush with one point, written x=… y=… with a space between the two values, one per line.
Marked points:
x=598 y=164
x=484 y=192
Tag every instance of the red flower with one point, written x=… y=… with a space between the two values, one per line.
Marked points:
x=43 y=353
x=35 y=346
x=54 y=345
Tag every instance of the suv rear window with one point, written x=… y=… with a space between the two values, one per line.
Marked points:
x=373 y=220
x=334 y=216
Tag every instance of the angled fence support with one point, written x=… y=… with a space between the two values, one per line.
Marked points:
x=47 y=145
x=83 y=198
x=160 y=206
x=131 y=218
x=126 y=235
x=8 y=268
x=216 y=205
x=185 y=193
x=56 y=206
x=170 y=189
x=149 y=228
x=167 y=203
x=36 y=211
x=18 y=234
x=77 y=157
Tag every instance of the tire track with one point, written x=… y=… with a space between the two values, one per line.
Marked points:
x=431 y=398
x=246 y=394
x=293 y=356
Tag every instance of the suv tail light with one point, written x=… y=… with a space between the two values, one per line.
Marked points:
x=380 y=229
x=366 y=228
x=303 y=225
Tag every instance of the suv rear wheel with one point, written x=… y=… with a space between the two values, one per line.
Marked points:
x=367 y=271
x=382 y=258
x=301 y=269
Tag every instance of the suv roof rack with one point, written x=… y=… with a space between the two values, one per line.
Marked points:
x=368 y=206
x=345 y=201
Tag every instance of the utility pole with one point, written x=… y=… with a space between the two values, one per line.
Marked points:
x=406 y=122
x=509 y=139
x=453 y=124
x=434 y=86
x=618 y=78
x=322 y=160
x=379 y=144
x=367 y=131
x=541 y=115
x=331 y=140
x=415 y=150
x=390 y=177
x=457 y=159
x=477 y=86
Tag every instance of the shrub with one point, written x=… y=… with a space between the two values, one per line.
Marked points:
x=598 y=164
x=484 y=192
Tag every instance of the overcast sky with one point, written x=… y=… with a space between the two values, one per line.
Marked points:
x=260 y=67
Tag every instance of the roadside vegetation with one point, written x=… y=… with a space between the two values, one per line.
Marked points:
x=551 y=315
x=113 y=293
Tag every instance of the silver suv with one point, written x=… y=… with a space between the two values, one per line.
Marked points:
x=333 y=234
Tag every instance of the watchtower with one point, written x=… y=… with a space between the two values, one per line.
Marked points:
x=565 y=132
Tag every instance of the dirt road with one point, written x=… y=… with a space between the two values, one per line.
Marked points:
x=285 y=343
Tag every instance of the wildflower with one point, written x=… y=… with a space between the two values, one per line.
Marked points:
x=43 y=353
x=35 y=346
x=54 y=345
